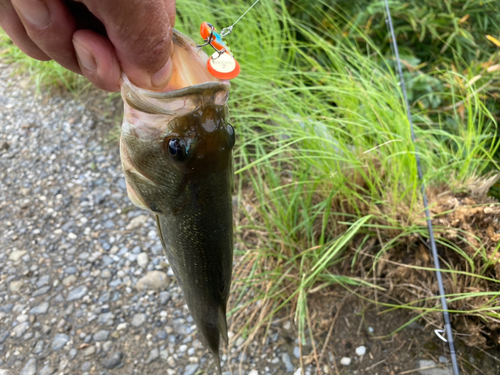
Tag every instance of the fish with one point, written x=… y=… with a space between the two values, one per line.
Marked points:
x=176 y=149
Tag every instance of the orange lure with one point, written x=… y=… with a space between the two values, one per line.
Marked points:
x=222 y=63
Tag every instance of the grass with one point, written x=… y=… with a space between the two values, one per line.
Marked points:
x=326 y=167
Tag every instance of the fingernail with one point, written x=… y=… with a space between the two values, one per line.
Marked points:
x=34 y=11
x=85 y=57
x=161 y=78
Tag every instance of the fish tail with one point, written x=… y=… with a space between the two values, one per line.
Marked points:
x=217 y=360
x=223 y=325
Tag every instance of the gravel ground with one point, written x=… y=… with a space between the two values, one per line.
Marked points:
x=84 y=287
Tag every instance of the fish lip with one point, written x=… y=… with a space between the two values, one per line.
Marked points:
x=198 y=89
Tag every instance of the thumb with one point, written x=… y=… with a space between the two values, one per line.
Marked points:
x=141 y=34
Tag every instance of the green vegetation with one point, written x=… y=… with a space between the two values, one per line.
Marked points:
x=325 y=163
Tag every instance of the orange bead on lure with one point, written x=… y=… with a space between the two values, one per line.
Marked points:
x=222 y=63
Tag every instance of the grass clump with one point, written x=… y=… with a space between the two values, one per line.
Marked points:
x=327 y=174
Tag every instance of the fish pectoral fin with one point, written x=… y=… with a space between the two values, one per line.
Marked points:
x=222 y=324
x=144 y=193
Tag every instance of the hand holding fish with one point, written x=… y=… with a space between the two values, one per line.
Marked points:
x=95 y=38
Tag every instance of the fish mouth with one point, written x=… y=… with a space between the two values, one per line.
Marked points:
x=190 y=87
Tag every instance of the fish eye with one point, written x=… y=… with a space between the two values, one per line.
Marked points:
x=232 y=135
x=177 y=149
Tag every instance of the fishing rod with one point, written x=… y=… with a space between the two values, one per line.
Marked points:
x=442 y=296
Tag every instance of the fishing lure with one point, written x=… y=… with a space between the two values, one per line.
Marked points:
x=222 y=63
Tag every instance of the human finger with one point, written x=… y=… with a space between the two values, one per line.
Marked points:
x=50 y=25
x=97 y=59
x=12 y=25
x=141 y=36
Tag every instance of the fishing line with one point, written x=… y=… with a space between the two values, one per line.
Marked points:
x=227 y=30
x=446 y=315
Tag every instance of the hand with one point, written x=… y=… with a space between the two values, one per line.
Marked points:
x=97 y=38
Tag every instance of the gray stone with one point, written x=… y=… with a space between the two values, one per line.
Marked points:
x=29 y=368
x=16 y=255
x=138 y=320
x=101 y=335
x=164 y=297
x=60 y=339
x=190 y=369
x=3 y=336
x=20 y=329
x=106 y=274
x=153 y=280
x=43 y=280
x=296 y=352
x=86 y=366
x=15 y=286
x=69 y=280
x=137 y=222
x=142 y=260
x=41 y=291
x=46 y=370
x=113 y=360
x=40 y=309
x=77 y=293
x=162 y=335
x=38 y=347
x=72 y=353
x=427 y=367
x=153 y=355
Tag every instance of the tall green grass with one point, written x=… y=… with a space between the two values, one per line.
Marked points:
x=324 y=157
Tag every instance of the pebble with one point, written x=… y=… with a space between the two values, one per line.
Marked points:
x=15 y=286
x=190 y=369
x=285 y=357
x=46 y=370
x=138 y=320
x=142 y=260
x=113 y=360
x=345 y=361
x=20 y=329
x=29 y=368
x=101 y=335
x=153 y=355
x=16 y=255
x=60 y=339
x=40 y=309
x=69 y=280
x=253 y=372
x=424 y=365
x=361 y=350
x=153 y=280
x=77 y=293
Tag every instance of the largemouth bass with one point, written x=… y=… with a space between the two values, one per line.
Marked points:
x=176 y=151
